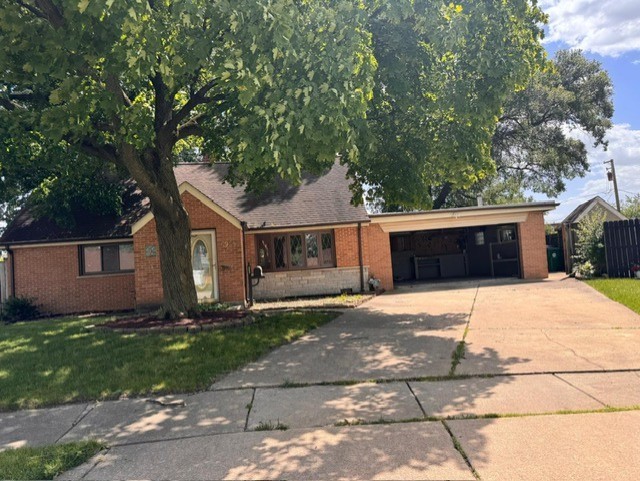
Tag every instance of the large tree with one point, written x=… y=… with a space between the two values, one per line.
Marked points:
x=535 y=147
x=445 y=71
x=273 y=85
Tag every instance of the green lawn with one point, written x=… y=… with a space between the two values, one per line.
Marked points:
x=58 y=361
x=624 y=291
x=45 y=462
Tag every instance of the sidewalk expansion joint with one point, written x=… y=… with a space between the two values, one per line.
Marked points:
x=249 y=408
x=581 y=390
x=88 y=408
x=437 y=378
x=424 y=413
x=458 y=447
x=458 y=354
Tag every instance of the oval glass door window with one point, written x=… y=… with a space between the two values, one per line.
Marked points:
x=201 y=265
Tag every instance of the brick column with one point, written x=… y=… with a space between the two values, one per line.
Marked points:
x=533 y=247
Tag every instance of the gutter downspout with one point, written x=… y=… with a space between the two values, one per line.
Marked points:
x=12 y=261
x=360 y=259
x=245 y=276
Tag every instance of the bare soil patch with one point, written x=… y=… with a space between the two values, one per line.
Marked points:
x=208 y=319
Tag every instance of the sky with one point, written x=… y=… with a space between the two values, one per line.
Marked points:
x=607 y=31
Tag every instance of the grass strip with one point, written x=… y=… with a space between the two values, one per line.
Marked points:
x=45 y=462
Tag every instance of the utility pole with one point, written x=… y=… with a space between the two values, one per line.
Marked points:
x=611 y=175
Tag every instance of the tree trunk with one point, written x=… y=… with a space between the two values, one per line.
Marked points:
x=153 y=172
x=174 y=243
x=442 y=196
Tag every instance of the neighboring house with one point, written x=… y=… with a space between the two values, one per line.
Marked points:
x=569 y=226
x=309 y=240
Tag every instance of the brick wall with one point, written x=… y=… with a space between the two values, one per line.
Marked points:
x=533 y=247
x=228 y=249
x=50 y=275
x=379 y=254
x=148 y=282
x=347 y=254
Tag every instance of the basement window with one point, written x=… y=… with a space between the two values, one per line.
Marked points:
x=106 y=259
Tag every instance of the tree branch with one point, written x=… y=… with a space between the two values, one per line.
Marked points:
x=189 y=130
x=113 y=85
x=107 y=153
x=162 y=103
x=32 y=9
x=51 y=12
x=200 y=97
x=7 y=104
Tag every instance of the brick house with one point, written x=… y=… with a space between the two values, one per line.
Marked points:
x=309 y=240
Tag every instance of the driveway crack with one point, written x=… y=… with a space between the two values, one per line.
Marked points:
x=572 y=350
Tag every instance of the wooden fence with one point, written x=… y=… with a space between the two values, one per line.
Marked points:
x=622 y=246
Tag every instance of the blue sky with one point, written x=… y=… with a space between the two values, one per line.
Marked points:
x=607 y=31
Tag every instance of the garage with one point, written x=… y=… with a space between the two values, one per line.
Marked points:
x=483 y=241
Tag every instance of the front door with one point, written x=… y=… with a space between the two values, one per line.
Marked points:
x=204 y=265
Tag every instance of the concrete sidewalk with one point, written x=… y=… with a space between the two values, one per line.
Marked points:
x=580 y=446
x=240 y=410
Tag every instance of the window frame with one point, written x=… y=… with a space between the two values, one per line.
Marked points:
x=270 y=242
x=102 y=272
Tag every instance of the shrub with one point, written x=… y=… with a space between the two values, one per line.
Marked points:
x=19 y=309
x=590 y=255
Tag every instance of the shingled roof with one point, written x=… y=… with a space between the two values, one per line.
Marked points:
x=577 y=213
x=318 y=200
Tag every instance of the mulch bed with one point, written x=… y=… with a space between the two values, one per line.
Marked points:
x=207 y=322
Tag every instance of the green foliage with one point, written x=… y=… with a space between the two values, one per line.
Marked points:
x=54 y=180
x=444 y=73
x=45 y=462
x=531 y=143
x=590 y=253
x=269 y=84
x=531 y=146
x=631 y=207
x=55 y=361
x=17 y=309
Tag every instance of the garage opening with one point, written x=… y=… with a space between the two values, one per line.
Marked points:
x=483 y=251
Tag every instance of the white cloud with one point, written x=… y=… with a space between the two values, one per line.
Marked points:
x=624 y=148
x=606 y=27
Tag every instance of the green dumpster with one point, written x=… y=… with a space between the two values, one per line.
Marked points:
x=555 y=259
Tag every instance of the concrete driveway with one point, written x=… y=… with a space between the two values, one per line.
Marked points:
x=508 y=327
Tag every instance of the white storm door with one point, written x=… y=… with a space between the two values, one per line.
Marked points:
x=204 y=264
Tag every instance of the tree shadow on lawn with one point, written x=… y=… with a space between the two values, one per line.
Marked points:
x=58 y=361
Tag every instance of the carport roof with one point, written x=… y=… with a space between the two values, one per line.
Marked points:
x=459 y=217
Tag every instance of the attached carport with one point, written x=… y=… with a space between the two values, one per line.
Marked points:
x=483 y=241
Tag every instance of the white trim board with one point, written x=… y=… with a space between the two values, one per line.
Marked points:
x=187 y=187
x=454 y=218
